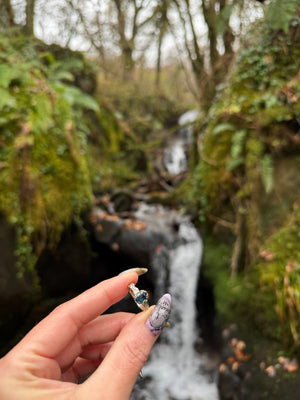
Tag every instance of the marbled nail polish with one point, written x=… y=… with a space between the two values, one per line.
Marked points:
x=160 y=314
x=139 y=271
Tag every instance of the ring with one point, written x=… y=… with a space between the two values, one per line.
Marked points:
x=139 y=296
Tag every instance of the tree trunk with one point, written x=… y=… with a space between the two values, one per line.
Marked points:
x=29 y=27
x=9 y=13
x=158 y=62
x=127 y=60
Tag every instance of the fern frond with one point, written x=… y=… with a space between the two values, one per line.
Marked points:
x=281 y=12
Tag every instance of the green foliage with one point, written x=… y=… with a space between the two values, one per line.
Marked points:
x=237 y=149
x=238 y=299
x=281 y=12
x=216 y=257
x=280 y=274
x=250 y=131
x=45 y=181
x=129 y=127
x=136 y=106
x=267 y=172
x=223 y=18
x=246 y=128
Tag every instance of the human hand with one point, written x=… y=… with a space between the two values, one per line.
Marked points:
x=74 y=341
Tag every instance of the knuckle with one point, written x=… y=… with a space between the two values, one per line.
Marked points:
x=59 y=309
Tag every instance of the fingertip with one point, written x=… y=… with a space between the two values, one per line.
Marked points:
x=160 y=315
x=130 y=276
x=139 y=271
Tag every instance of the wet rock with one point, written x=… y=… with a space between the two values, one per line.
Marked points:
x=123 y=201
x=65 y=268
x=16 y=294
x=138 y=237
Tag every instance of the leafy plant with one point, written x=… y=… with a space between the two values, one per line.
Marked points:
x=267 y=172
x=250 y=131
x=280 y=273
x=45 y=181
x=281 y=12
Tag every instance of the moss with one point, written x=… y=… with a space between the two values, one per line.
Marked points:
x=216 y=258
x=44 y=176
x=250 y=127
x=251 y=133
x=280 y=275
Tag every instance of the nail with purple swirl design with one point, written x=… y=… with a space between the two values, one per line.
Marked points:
x=160 y=315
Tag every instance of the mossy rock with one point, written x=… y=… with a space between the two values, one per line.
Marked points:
x=252 y=127
x=249 y=166
x=45 y=180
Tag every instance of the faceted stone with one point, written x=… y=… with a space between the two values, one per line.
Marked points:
x=141 y=297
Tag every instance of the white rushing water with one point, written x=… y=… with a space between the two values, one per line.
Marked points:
x=175 y=157
x=175 y=160
x=174 y=368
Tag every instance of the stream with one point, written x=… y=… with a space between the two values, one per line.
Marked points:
x=169 y=245
x=175 y=370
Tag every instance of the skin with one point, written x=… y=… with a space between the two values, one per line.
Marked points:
x=74 y=341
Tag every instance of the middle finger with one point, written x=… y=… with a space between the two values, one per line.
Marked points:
x=103 y=329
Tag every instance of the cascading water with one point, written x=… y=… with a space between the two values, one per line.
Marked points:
x=174 y=367
x=175 y=158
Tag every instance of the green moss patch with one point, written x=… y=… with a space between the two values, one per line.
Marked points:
x=44 y=176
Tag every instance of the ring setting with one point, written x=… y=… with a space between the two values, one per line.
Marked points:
x=140 y=297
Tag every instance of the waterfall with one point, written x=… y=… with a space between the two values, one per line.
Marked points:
x=175 y=160
x=173 y=370
x=175 y=157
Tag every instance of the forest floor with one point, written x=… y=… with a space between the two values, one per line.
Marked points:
x=259 y=368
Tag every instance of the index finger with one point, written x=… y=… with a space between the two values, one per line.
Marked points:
x=53 y=333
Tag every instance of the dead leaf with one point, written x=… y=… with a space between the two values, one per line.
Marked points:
x=271 y=371
x=291 y=366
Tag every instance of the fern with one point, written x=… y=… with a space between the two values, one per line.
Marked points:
x=267 y=172
x=281 y=12
x=238 y=143
x=45 y=180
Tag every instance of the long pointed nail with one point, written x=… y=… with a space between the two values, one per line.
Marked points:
x=139 y=271
x=160 y=314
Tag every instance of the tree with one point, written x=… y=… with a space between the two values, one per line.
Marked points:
x=29 y=26
x=7 y=17
x=204 y=32
x=210 y=50
x=161 y=23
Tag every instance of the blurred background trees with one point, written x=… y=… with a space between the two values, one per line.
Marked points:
x=201 y=37
x=145 y=63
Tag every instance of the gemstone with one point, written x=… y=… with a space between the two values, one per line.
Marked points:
x=141 y=296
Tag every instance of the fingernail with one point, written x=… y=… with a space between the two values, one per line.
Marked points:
x=160 y=315
x=139 y=271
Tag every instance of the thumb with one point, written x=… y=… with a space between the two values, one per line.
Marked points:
x=115 y=378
